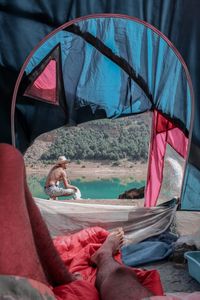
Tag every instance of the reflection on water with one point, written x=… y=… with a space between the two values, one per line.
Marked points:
x=97 y=189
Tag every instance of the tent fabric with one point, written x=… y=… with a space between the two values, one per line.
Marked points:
x=190 y=200
x=132 y=89
x=178 y=141
x=41 y=19
x=77 y=249
x=111 y=56
x=58 y=112
x=25 y=24
x=139 y=223
x=44 y=87
x=163 y=132
x=19 y=19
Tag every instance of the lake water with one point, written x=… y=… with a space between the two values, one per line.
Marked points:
x=97 y=189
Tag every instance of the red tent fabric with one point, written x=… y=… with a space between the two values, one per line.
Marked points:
x=44 y=87
x=164 y=132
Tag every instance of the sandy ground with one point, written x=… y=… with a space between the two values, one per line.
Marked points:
x=175 y=277
x=96 y=170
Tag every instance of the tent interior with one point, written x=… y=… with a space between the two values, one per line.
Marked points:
x=110 y=67
x=134 y=69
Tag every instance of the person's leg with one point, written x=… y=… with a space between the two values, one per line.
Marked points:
x=18 y=251
x=60 y=192
x=54 y=268
x=26 y=246
x=116 y=281
x=54 y=191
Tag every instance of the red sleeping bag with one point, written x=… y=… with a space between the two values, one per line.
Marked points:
x=76 y=251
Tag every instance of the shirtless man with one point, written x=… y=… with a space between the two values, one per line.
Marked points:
x=56 y=175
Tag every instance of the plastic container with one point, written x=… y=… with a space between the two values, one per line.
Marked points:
x=193 y=258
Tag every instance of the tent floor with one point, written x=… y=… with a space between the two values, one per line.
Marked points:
x=175 y=277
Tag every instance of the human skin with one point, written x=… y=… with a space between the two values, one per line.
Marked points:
x=58 y=174
x=116 y=281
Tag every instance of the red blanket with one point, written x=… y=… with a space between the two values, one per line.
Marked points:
x=76 y=251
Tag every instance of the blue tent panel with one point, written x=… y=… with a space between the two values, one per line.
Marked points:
x=191 y=189
x=91 y=78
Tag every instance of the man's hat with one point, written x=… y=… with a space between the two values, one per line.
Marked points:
x=62 y=160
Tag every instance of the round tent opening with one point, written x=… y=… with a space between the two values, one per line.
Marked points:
x=106 y=66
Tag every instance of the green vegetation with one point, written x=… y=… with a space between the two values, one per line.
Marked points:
x=33 y=183
x=125 y=138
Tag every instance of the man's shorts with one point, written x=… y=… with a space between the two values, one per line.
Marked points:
x=56 y=191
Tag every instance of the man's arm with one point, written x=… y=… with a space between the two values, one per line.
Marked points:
x=66 y=183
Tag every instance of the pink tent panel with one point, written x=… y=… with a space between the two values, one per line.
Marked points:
x=178 y=141
x=44 y=88
x=164 y=132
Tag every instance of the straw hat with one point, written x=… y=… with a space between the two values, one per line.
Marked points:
x=62 y=160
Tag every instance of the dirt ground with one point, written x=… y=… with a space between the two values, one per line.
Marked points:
x=174 y=277
x=96 y=170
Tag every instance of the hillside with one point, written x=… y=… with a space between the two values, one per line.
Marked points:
x=124 y=138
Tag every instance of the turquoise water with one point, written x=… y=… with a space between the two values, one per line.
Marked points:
x=97 y=189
